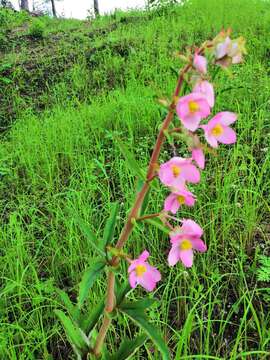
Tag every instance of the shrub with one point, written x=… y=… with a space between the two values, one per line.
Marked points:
x=37 y=29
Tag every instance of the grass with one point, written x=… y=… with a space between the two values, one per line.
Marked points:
x=66 y=107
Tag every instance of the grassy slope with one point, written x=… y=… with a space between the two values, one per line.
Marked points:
x=66 y=159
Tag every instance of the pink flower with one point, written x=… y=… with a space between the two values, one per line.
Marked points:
x=198 y=157
x=222 y=49
x=176 y=171
x=179 y=198
x=229 y=51
x=218 y=130
x=191 y=109
x=200 y=63
x=184 y=240
x=140 y=272
x=205 y=88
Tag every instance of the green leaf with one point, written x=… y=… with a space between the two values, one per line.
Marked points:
x=140 y=304
x=89 y=322
x=139 y=317
x=132 y=163
x=128 y=348
x=75 y=335
x=88 y=233
x=121 y=290
x=109 y=227
x=88 y=279
x=73 y=311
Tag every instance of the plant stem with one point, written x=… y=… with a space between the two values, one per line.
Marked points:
x=136 y=207
x=110 y=293
x=145 y=217
x=102 y=334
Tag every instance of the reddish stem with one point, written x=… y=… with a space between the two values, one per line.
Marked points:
x=145 y=217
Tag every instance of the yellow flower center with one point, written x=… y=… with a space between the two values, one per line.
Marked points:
x=140 y=270
x=185 y=245
x=193 y=106
x=181 y=199
x=217 y=130
x=176 y=170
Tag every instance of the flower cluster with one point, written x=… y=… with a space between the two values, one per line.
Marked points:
x=228 y=51
x=193 y=111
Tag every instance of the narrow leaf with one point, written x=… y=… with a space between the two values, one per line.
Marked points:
x=132 y=163
x=141 y=320
x=89 y=322
x=128 y=348
x=109 y=227
x=88 y=233
x=75 y=335
x=140 y=304
x=121 y=290
x=88 y=279
x=73 y=311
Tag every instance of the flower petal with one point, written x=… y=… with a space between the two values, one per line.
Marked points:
x=147 y=281
x=228 y=136
x=198 y=157
x=211 y=139
x=171 y=203
x=223 y=48
x=191 y=227
x=174 y=254
x=144 y=255
x=186 y=257
x=199 y=245
x=132 y=279
x=191 y=122
x=154 y=272
x=205 y=88
x=190 y=201
x=200 y=63
x=204 y=107
x=226 y=117
x=191 y=173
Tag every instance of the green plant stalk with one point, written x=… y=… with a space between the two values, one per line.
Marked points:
x=136 y=207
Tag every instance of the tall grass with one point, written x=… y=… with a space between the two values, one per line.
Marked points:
x=66 y=161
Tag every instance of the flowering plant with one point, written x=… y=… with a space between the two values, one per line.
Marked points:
x=191 y=113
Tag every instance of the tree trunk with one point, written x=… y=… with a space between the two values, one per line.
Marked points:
x=96 y=9
x=53 y=8
x=24 y=5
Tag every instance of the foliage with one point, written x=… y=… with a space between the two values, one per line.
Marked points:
x=37 y=29
x=10 y=18
x=264 y=268
x=70 y=99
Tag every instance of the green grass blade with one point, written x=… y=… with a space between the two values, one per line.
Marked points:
x=131 y=161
